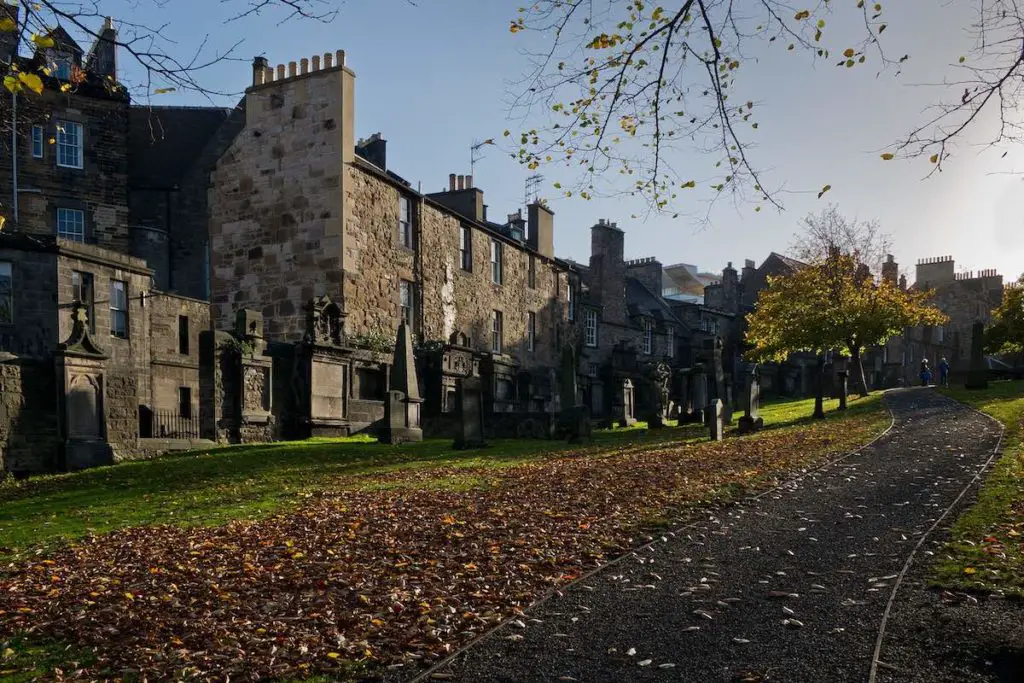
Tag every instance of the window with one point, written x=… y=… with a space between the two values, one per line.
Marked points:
x=592 y=369
x=71 y=224
x=37 y=142
x=183 y=335
x=531 y=272
x=590 y=327
x=939 y=334
x=496 y=326
x=531 y=331
x=119 y=309
x=571 y=300
x=648 y=336
x=406 y=302
x=466 y=248
x=496 y=262
x=405 y=222
x=185 y=402
x=670 y=346
x=82 y=292
x=62 y=67
x=6 y=293
x=69 y=144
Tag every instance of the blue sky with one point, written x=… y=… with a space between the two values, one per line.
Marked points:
x=432 y=80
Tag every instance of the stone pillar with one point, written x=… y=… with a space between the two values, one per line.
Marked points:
x=977 y=376
x=715 y=425
x=751 y=420
x=699 y=393
x=843 y=388
x=403 y=402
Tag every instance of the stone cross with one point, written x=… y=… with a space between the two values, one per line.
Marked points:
x=977 y=376
x=715 y=425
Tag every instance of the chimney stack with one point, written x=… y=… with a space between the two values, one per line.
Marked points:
x=451 y=182
x=469 y=182
x=460 y=182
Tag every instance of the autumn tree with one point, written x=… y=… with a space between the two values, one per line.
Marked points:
x=833 y=305
x=617 y=87
x=1006 y=333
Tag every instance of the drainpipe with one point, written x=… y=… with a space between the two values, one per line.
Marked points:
x=14 y=155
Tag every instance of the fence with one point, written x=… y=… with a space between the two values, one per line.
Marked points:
x=168 y=424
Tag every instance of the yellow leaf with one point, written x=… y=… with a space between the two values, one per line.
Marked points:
x=888 y=156
x=32 y=82
x=65 y=87
x=3 y=221
x=163 y=91
x=962 y=59
x=333 y=655
x=42 y=41
x=821 y=23
x=802 y=14
x=934 y=159
x=7 y=24
x=12 y=83
x=129 y=596
x=849 y=52
x=969 y=570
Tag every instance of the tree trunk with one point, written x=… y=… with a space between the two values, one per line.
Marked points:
x=860 y=382
x=819 y=389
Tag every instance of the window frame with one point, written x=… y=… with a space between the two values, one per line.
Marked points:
x=531 y=331
x=466 y=248
x=648 y=326
x=184 y=335
x=63 y=212
x=62 y=128
x=590 y=326
x=185 y=401
x=405 y=236
x=497 y=266
x=531 y=271
x=407 y=302
x=61 y=60
x=116 y=312
x=38 y=148
x=497 y=331
x=8 y=295
x=79 y=289
x=670 y=341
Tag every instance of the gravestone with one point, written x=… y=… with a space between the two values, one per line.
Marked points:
x=842 y=388
x=751 y=420
x=574 y=418
x=699 y=386
x=977 y=376
x=727 y=401
x=715 y=424
x=469 y=414
x=718 y=370
x=403 y=402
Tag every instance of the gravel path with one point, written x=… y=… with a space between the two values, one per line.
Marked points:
x=788 y=587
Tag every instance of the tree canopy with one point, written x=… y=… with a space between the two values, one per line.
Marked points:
x=1006 y=333
x=617 y=88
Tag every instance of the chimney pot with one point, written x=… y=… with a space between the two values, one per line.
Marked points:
x=293 y=70
x=316 y=62
x=280 y=72
x=108 y=23
x=328 y=60
x=460 y=180
x=469 y=182
x=304 y=65
x=341 y=57
x=451 y=182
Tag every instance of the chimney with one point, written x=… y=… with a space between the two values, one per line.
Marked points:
x=451 y=182
x=102 y=59
x=260 y=67
x=541 y=232
x=375 y=150
x=890 y=269
x=469 y=182
x=460 y=182
x=462 y=198
x=608 y=270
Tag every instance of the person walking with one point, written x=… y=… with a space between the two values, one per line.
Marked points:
x=944 y=372
x=926 y=373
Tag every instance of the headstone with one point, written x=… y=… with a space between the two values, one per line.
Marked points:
x=842 y=388
x=718 y=370
x=403 y=403
x=699 y=384
x=751 y=420
x=727 y=401
x=715 y=424
x=469 y=414
x=574 y=418
x=977 y=376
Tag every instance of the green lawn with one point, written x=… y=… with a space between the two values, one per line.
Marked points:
x=986 y=549
x=247 y=482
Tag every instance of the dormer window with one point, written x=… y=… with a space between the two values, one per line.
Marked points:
x=63 y=64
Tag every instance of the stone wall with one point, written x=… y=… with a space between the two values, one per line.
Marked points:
x=276 y=201
x=29 y=431
x=171 y=367
x=33 y=330
x=99 y=188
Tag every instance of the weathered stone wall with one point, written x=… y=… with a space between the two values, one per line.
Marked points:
x=127 y=373
x=172 y=369
x=276 y=201
x=33 y=331
x=29 y=430
x=99 y=188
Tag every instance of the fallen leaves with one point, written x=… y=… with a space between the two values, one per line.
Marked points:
x=384 y=576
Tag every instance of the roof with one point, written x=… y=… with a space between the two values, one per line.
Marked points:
x=63 y=41
x=786 y=261
x=163 y=142
x=640 y=299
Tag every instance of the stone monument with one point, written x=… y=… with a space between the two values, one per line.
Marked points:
x=699 y=389
x=977 y=376
x=843 y=387
x=403 y=402
x=574 y=418
x=751 y=420
x=469 y=414
x=715 y=425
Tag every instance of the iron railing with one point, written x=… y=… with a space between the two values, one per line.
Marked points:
x=168 y=424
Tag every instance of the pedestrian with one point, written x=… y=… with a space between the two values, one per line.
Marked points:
x=944 y=372
x=926 y=373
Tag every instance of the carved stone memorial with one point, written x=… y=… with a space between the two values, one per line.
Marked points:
x=403 y=402
x=977 y=376
x=469 y=414
x=715 y=424
x=751 y=420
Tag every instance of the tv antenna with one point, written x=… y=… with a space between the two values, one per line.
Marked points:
x=532 y=193
x=475 y=155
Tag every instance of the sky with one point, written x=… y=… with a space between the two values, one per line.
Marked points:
x=435 y=76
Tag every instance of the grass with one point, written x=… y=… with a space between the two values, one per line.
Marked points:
x=252 y=481
x=986 y=548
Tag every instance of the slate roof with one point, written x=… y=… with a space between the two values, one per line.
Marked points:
x=163 y=142
x=786 y=261
x=640 y=299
